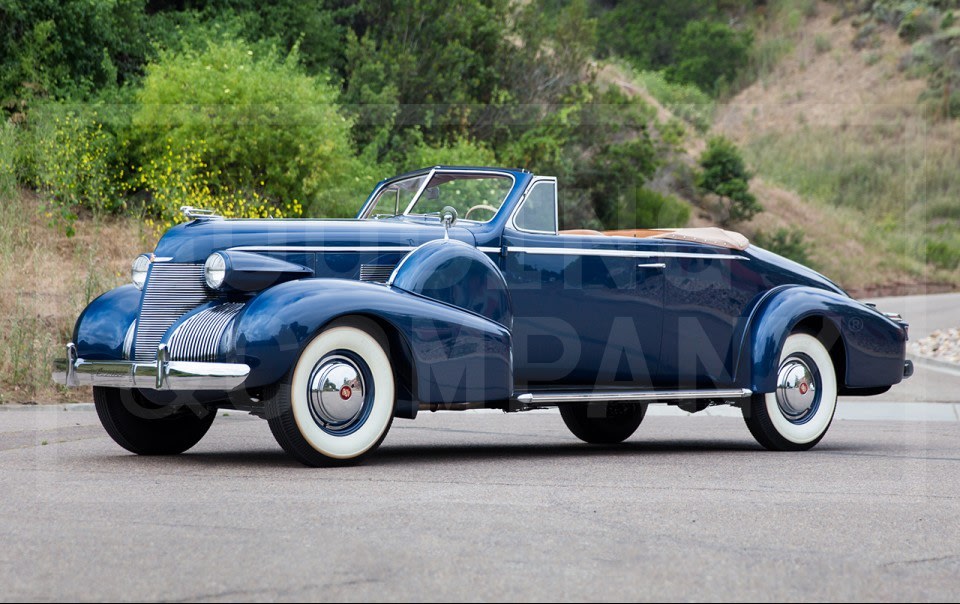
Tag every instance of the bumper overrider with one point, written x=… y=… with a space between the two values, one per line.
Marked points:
x=163 y=374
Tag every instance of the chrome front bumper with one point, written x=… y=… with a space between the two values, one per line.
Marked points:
x=164 y=374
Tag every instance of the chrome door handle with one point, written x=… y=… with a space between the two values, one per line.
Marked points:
x=653 y=265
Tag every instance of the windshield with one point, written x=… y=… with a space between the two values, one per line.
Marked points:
x=475 y=196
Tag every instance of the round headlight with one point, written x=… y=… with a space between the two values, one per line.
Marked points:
x=138 y=272
x=214 y=270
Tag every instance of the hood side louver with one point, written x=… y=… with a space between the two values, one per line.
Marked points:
x=376 y=273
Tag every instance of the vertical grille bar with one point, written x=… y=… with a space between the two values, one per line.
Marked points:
x=170 y=292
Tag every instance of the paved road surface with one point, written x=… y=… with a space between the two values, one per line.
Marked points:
x=482 y=506
x=485 y=506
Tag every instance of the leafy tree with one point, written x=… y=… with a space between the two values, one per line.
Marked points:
x=709 y=53
x=69 y=48
x=646 y=31
x=726 y=176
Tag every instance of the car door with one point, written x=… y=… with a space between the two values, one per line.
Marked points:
x=587 y=309
x=708 y=293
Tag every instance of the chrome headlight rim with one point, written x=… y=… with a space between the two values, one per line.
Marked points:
x=215 y=270
x=139 y=269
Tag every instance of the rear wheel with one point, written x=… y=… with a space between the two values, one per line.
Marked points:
x=796 y=415
x=603 y=423
x=144 y=428
x=336 y=405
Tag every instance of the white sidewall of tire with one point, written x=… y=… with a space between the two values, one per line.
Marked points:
x=818 y=424
x=366 y=436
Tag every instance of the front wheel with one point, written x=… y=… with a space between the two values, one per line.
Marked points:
x=797 y=414
x=603 y=423
x=336 y=404
x=144 y=428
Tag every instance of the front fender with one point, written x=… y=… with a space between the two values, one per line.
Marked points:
x=455 y=355
x=103 y=324
x=872 y=344
x=458 y=274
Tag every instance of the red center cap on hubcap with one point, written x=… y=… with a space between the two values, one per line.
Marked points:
x=345 y=392
x=803 y=388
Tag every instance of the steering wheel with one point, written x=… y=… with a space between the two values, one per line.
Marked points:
x=480 y=206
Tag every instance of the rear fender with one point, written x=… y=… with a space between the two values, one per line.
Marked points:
x=873 y=346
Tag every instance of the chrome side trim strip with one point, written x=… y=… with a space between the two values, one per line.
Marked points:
x=572 y=251
x=324 y=248
x=555 y=398
x=555 y=251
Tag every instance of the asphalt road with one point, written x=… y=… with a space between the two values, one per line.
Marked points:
x=487 y=506
x=483 y=506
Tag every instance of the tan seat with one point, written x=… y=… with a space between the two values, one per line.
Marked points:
x=582 y=232
x=706 y=235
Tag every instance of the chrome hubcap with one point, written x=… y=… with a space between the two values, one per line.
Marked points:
x=796 y=390
x=336 y=393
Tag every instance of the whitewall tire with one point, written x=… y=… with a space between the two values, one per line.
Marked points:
x=336 y=405
x=797 y=414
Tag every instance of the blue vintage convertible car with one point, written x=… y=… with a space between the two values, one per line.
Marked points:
x=453 y=289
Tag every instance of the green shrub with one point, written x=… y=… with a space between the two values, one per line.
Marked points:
x=918 y=22
x=8 y=167
x=708 y=54
x=822 y=44
x=263 y=124
x=655 y=210
x=943 y=254
x=75 y=163
x=686 y=101
x=462 y=152
x=647 y=31
x=726 y=176
x=789 y=243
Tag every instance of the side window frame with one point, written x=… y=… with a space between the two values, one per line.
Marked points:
x=526 y=195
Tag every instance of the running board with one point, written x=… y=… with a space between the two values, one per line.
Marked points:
x=551 y=399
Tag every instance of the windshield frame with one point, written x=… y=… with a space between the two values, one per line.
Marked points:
x=368 y=210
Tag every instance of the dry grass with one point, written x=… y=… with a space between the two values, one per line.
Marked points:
x=45 y=281
x=847 y=155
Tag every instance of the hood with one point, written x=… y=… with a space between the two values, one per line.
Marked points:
x=194 y=241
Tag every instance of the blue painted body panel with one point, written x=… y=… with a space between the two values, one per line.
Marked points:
x=874 y=345
x=477 y=325
x=249 y=272
x=583 y=319
x=457 y=274
x=457 y=356
x=103 y=324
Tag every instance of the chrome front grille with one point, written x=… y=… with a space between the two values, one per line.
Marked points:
x=198 y=337
x=171 y=291
x=377 y=273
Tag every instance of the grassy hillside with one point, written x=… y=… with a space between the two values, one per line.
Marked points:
x=45 y=281
x=861 y=165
